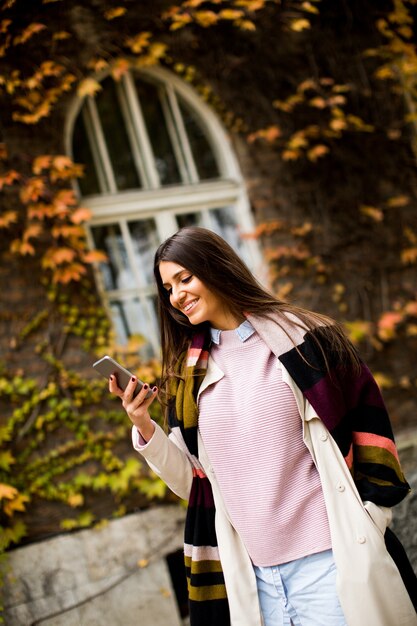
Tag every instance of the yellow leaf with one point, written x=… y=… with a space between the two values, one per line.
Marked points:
x=31 y=30
x=246 y=25
x=60 y=35
x=310 y=8
x=230 y=14
x=377 y=215
x=398 y=201
x=409 y=256
x=205 y=18
x=291 y=155
x=88 y=87
x=111 y=14
x=319 y=103
x=76 y=499
x=17 y=504
x=300 y=25
x=139 y=42
x=317 y=152
x=383 y=381
x=22 y=247
x=7 y=491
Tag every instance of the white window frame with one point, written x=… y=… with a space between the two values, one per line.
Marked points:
x=154 y=201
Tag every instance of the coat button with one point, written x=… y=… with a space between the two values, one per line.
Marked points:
x=361 y=539
x=340 y=486
x=323 y=436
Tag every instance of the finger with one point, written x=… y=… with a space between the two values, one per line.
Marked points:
x=113 y=386
x=141 y=400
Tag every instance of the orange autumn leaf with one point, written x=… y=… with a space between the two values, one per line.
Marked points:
x=22 y=247
x=32 y=190
x=72 y=272
x=42 y=162
x=33 y=230
x=111 y=14
x=57 y=256
x=81 y=215
x=9 y=178
x=317 y=152
x=388 y=323
x=7 y=218
x=409 y=256
x=64 y=199
x=40 y=211
x=119 y=68
x=67 y=230
x=95 y=256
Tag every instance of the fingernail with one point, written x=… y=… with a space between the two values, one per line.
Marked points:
x=145 y=386
x=154 y=389
x=111 y=377
x=133 y=379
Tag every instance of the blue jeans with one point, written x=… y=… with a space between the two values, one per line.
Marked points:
x=301 y=592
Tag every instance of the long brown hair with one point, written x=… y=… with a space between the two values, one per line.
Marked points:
x=211 y=259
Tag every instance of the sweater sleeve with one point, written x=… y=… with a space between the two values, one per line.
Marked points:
x=166 y=459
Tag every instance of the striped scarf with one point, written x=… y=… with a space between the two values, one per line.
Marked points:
x=351 y=407
x=206 y=588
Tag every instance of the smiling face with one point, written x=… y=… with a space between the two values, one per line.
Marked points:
x=190 y=296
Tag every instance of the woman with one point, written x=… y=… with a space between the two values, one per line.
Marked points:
x=280 y=442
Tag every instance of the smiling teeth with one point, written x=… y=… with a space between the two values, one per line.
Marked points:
x=188 y=307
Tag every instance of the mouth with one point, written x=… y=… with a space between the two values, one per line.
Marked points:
x=189 y=306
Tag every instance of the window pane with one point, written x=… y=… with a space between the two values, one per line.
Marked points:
x=189 y=219
x=200 y=147
x=145 y=241
x=116 y=273
x=223 y=223
x=132 y=316
x=89 y=184
x=116 y=136
x=156 y=125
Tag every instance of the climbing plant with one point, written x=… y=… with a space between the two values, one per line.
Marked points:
x=62 y=438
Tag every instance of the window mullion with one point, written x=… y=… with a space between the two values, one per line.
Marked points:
x=131 y=131
x=182 y=135
x=166 y=224
x=151 y=178
x=174 y=136
x=97 y=130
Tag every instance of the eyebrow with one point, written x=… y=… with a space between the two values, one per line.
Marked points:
x=174 y=277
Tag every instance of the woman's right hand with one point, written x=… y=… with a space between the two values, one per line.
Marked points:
x=136 y=407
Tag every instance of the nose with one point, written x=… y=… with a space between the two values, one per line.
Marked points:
x=177 y=296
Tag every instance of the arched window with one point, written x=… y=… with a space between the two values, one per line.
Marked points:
x=156 y=159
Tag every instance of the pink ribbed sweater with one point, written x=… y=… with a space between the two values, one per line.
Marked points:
x=252 y=430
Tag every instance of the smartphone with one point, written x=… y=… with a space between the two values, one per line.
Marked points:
x=107 y=366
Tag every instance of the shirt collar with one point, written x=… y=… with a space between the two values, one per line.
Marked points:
x=244 y=331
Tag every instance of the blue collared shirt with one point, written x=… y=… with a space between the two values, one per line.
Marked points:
x=244 y=331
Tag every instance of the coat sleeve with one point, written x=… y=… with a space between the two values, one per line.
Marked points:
x=165 y=457
x=351 y=406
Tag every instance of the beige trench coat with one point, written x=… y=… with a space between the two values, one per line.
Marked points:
x=369 y=585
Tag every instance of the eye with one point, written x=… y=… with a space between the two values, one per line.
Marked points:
x=187 y=279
